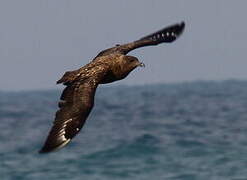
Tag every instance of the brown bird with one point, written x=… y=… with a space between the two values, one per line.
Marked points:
x=77 y=99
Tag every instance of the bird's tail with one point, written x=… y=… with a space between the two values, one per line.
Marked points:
x=68 y=77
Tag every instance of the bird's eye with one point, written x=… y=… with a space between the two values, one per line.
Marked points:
x=131 y=60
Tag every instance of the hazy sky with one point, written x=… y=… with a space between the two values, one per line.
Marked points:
x=40 y=39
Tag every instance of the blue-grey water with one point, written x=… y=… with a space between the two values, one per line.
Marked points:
x=187 y=131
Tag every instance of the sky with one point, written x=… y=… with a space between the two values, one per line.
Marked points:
x=41 y=39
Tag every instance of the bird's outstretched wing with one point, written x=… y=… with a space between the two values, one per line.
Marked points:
x=165 y=35
x=76 y=103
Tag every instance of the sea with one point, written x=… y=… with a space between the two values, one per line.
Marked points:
x=181 y=131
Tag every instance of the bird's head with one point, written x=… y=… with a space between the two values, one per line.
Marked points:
x=129 y=63
x=124 y=65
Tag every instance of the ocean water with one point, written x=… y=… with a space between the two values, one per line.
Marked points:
x=187 y=131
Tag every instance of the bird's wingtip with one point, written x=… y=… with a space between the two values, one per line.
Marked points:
x=182 y=24
x=42 y=151
x=167 y=34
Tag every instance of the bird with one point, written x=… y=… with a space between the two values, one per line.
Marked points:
x=77 y=99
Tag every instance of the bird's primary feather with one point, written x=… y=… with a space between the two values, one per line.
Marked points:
x=165 y=35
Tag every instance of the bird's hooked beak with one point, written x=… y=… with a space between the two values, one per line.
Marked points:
x=141 y=64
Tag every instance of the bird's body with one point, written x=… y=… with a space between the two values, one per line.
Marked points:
x=113 y=67
x=77 y=99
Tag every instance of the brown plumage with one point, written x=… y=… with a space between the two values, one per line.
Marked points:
x=110 y=65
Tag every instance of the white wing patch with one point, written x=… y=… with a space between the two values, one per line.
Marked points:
x=66 y=141
x=61 y=135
